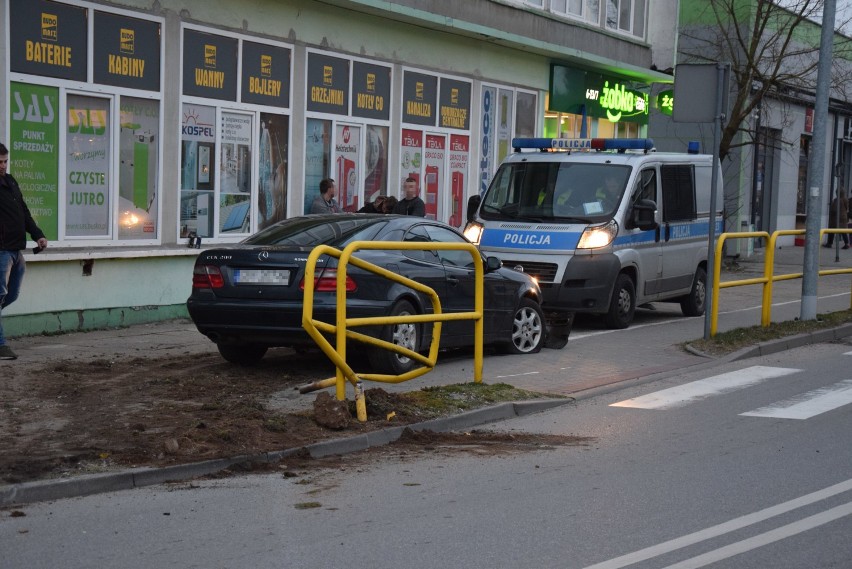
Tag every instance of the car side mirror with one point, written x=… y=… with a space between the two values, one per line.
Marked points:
x=473 y=205
x=492 y=264
x=644 y=215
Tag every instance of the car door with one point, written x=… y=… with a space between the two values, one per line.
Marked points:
x=461 y=288
x=423 y=266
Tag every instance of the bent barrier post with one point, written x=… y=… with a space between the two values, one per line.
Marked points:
x=768 y=278
x=340 y=329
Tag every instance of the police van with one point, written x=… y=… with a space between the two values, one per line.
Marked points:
x=604 y=225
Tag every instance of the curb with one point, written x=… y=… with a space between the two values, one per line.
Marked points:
x=47 y=490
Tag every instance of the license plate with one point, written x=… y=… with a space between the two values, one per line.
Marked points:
x=272 y=277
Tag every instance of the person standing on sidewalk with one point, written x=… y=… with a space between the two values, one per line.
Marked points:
x=843 y=204
x=15 y=223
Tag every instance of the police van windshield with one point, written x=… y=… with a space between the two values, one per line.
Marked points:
x=548 y=191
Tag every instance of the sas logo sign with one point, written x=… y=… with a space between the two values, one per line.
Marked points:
x=49 y=27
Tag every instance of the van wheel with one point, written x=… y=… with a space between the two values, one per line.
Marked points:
x=242 y=354
x=405 y=335
x=695 y=302
x=528 y=329
x=623 y=303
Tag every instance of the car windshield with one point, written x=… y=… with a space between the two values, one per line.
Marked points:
x=311 y=231
x=547 y=191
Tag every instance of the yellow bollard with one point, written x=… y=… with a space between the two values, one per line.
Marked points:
x=360 y=403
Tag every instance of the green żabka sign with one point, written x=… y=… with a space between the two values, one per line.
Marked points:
x=34 y=151
x=603 y=97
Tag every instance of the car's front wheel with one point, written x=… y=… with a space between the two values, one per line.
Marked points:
x=242 y=354
x=528 y=329
x=405 y=335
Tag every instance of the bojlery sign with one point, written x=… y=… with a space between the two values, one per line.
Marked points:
x=593 y=94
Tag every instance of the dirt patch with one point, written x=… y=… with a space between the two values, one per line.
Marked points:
x=72 y=417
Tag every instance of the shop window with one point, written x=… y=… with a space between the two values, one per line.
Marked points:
x=88 y=159
x=138 y=169
x=317 y=158
x=272 y=169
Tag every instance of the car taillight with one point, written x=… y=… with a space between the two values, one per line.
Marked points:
x=327 y=282
x=207 y=276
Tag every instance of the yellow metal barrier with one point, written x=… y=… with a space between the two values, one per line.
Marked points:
x=340 y=330
x=769 y=278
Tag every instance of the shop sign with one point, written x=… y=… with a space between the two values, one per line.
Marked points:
x=49 y=39
x=371 y=91
x=419 y=97
x=455 y=104
x=126 y=52
x=328 y=84
x=575 y=91
x=266 y=74
x=209 y=66
x=665 y=102
x=488 y=110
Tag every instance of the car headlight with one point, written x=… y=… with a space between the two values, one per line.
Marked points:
x=473 y=231
x=598 y=236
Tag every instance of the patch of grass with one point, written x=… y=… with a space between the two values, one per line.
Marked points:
x=448 y=399
x=733 y=340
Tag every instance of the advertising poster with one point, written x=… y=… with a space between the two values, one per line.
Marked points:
x=197 y=170
x=317 y=158
x=486 y=158
x=347 y=148
x=459 y=157
x=235 y=165
x=431 y=190
x=138 y=153
x=411 y=158
x=87 y=203
x=376 y=178
x=33 y=151
x=272 y=169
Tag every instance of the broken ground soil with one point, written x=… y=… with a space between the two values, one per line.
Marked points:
x=75 y=417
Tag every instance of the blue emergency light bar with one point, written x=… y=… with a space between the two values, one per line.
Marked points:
x=620 y=144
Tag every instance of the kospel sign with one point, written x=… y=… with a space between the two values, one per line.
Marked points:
x=209 y=66
x=48 y=38
x=126 y=52
x=266 y=74
x=584 y=92
x=371 y=91
x=455 y=104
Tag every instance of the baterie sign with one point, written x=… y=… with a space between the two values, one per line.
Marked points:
x=209 y=66
x=126 y=52
x=265 y=74
x=49 y=39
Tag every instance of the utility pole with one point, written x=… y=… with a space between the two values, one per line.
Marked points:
x=816 y=167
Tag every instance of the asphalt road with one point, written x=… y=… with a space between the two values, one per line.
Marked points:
x=742 y=466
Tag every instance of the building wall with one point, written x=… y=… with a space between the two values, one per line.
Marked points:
x=83 y=283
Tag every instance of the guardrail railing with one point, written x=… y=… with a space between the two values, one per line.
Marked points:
x=341 y=328
x=769 y=277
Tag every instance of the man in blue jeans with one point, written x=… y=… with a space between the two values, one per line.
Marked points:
x=15 y=223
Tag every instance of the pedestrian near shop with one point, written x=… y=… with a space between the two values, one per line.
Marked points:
x=15 y=223
x=838 y=218
x=410 y=204
x=325 y=202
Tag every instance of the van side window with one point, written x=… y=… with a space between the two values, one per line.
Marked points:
x=678 y=184
x=646 y=186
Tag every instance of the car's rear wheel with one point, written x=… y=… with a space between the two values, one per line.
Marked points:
x=405 y=335
x=622 y=306
x=528 y=329
x=242 y=354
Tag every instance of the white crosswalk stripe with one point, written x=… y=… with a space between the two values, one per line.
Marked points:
x=719 y=384
x=808 y=404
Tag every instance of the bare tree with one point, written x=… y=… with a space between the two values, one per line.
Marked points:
x=773 y=51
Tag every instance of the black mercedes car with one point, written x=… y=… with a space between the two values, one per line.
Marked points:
x=248 y=297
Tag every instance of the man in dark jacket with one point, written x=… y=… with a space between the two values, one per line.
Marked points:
x=15 y=223
x=410 y=204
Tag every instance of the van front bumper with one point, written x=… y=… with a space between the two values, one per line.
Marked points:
x=585 y=286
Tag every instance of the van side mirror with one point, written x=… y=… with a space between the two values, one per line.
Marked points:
x=473 y=205
x=644 y=215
